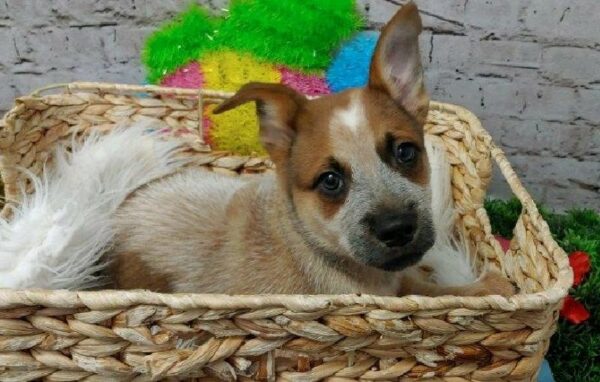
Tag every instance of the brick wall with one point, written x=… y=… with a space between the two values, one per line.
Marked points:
x=530 y=69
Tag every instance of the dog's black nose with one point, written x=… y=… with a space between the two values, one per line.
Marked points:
x=395 y=229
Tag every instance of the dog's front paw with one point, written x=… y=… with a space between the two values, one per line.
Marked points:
x=494 y=283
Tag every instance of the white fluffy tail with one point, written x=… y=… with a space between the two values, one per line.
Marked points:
x=449 y=257
x=58 y=235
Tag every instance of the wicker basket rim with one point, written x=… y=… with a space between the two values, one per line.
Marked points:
x=113 y=299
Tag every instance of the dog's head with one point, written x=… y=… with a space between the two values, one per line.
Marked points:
x=353 y=165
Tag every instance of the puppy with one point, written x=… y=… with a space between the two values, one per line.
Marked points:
x=346 y=210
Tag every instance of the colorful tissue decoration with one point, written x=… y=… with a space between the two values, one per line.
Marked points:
x=228 y=70
x=179 y=42
x=309 y=84
x=290 y=42
x=236 y=130
x=190 y=76
x=301 y=34
x=350 y=67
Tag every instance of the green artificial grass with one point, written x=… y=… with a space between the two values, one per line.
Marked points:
x=574 y=353
x=178 y=42
x=301 y=34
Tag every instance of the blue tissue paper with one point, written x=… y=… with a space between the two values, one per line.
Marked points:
x=350 y=67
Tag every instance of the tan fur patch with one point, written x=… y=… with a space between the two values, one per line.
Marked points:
x=133 y=272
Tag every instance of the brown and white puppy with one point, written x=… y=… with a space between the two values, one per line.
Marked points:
x=346 y=210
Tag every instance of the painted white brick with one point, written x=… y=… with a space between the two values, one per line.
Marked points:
x=554 y=181
x=588 y=106
x=44 y=48
x=451 y=53
x=378 y=12
x=445 y=15
x=576 y=140
x=31 y=13
x=573 y=21
x=458 y=91
x=502 y=98
x=492 y=17
x=8 y=93
x=8 y=55
x=512 y=54
x=571 y=65
x=126 y=43
x=551 y=103
x=5 y=17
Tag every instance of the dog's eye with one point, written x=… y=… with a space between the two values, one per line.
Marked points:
x=331 y=183
x=405 y=152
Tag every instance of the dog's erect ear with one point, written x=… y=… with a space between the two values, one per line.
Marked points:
x=396 y=65
x=277 y=106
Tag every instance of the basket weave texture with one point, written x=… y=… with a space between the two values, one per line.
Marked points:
x=138 y=335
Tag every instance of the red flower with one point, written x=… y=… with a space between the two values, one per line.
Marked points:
x=504 y=242
x=580 y=262
x=574 y=311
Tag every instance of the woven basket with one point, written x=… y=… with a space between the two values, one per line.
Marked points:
x=134 y=335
